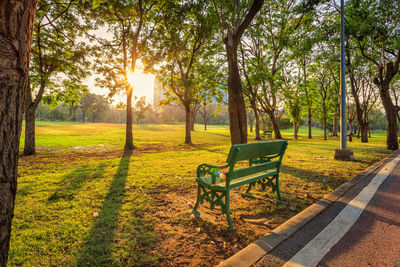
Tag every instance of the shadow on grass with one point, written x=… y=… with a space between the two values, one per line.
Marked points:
x=315 y=177
x=209 y=150
x=97 y=249
x=219 y=134
x=74 y=181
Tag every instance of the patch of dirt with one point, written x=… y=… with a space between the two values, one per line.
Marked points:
x=100 y=152
x=159 y=148
x=71 y=156
x=189 y=241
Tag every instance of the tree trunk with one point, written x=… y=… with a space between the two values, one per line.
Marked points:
x=361 y=120
x=295 y=129
x=16 y=26
x=335 y=121
x=188 y=126
x=236 y=105
x=263 y=124
x=351 y=132
x=83 y=116
x=193 y=117
x=30 y=119
x=364 y=132
x=129 y=116
x=324 y=122
x=205 y=119
x=257 y=125
x=391 y=116
x=391 y=141
x=74 y=114
x=309 y=124
x=251 y=126
x=275 y=125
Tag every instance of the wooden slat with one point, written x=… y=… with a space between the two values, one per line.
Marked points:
x=251 y=178
x=253 y=169
x=255 y=150
x=244 y=180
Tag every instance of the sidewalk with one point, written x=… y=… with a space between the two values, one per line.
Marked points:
x=356 y=225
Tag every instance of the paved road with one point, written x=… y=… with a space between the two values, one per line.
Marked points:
x=362 y=228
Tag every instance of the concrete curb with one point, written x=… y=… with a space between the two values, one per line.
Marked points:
x=255 y=251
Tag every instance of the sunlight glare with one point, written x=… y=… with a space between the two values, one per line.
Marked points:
x=131 y=78
x=142 y=84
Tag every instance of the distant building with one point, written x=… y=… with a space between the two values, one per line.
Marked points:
x=159 y=94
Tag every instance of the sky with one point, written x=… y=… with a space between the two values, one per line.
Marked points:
x=143 y=83
x=143 y=86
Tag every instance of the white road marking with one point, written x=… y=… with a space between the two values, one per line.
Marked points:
x=316 y=249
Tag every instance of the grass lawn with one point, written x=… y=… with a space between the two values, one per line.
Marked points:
x=80 y=203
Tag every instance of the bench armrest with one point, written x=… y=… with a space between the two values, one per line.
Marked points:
x=204 y=169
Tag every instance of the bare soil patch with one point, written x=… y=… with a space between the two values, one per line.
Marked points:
x=190 y=241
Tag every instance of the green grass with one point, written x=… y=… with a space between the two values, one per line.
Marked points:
x=303 y=131
x=80 y=203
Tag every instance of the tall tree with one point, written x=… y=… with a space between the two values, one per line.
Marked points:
x=187 y=67
x=375 y=27
x=131 y=24
x=362 y=89
x=234 y=18
x=58 y=61
x=268 y=42
x=301 y=50
x=141 y=108
x=99 y=106
x=293 y=92
x=310 y=92
x=250 y=85
x=16 y=27
x=207 y=111
x=326 y=89
x=351 y=116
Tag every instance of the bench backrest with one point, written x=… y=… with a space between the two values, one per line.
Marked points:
x=256 y=150
x=253 y=152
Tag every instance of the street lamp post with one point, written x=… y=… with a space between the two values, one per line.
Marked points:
x=343 y=153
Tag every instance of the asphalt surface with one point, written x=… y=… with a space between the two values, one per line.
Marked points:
x=374 y=240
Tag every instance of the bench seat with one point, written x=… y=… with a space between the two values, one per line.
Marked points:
x=221 y=185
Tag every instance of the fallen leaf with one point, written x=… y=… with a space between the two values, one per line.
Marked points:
x=266 y=223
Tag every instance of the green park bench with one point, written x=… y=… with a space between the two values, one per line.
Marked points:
x=264 y=159
x=267 y=133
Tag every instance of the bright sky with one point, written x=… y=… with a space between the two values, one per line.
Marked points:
x=143 y=86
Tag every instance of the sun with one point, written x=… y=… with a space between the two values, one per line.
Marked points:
x=142 y=83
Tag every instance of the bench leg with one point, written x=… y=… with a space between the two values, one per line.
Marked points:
x=247 y=193
x=228 y=212
x=194 y=210
x=278 y=192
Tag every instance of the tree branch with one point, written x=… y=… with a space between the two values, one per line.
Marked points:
x=238 y=32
